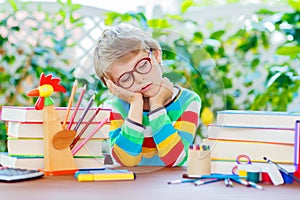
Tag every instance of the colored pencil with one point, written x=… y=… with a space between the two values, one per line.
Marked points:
x=248 y=183
x=202 y=182
x=83 y=142
x=70 y=103
x=182 y=181
x=84 y=128
x=85 y=111
x=76 y=107
x=219 y=176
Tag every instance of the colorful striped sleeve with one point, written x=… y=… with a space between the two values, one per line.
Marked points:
x=126 y=138
x=174 y=138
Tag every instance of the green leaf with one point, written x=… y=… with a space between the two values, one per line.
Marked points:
x=295 y=4
x=217 y=35
x=13 y=4
x=186 y=4
x=254 y=63
x=265 y=12
x=288 y=50
x=159 y=23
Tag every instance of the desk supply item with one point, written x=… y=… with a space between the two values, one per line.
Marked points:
x=284 y=171
x=70 y=102
x=182 y=181
x=248 y=183
x=31 y=133
x=83 y=115
x=228 y=182
x=76 y=107
x=86 y=126
x=85 y=140
x=274 y=174
x=104 y=175
x=202 y=182
x=9 y=174
x=198 y=162
x=218 y=176
x=255 y=133
x=55 y=158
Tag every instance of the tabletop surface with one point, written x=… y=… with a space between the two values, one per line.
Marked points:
x=151 y=183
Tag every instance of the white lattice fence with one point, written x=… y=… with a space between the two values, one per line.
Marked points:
x=78 y=56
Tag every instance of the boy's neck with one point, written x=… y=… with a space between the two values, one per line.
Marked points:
x=146 y=105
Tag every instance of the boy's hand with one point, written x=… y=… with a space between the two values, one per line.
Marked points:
x=122 y=93
x=164 y=94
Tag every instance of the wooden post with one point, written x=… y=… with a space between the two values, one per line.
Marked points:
x=55 y=159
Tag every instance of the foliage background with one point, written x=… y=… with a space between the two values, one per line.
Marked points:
x=240 y=69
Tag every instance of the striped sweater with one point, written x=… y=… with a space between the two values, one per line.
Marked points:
x=164 y=136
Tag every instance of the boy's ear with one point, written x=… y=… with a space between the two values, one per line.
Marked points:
x=158 y=55
x=103 y=79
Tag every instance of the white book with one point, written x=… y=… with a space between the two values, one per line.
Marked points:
x=35 y=147
x=35 y=130
x=38 y=162
x=251 y=134
x=30 y=114
x=257 y=118
x=230 y=150
x=225 y=167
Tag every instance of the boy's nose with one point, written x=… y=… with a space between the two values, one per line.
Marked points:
x=138 y=78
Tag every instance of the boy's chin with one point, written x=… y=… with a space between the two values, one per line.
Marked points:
x=151 y=93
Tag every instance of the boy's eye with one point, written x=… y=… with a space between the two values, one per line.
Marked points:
x=143 y=66
x=125 y=78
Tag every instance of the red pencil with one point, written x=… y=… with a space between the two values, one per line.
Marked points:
x=84 y=128
x=76 y=108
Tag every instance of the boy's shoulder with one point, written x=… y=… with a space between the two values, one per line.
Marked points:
x=187 y=93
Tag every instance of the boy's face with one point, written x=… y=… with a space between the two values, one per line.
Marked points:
x=139 y=73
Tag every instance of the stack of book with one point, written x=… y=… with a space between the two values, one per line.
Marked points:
x=257 y=134
x=25 y=137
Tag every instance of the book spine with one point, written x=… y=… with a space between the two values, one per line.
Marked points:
x=297 y=142
x=297 y=149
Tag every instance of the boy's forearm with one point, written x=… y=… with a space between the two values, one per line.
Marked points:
x=136 y=110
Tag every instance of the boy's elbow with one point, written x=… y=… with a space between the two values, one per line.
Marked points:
x=125 y=159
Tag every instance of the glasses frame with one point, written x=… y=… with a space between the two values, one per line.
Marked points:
x=148 y=58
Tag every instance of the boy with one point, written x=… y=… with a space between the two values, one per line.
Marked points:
x=153 y=122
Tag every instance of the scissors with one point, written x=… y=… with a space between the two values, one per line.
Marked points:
x=240 y=159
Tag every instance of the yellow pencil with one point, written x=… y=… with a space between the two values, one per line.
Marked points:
x=70 y=103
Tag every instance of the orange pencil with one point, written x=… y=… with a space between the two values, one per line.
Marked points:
x=70 y=103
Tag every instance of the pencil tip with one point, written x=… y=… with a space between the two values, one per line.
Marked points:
x=265 y=158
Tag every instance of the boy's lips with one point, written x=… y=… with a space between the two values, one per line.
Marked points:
x=146 y=87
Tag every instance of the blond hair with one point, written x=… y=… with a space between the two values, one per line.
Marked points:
x=117 y=42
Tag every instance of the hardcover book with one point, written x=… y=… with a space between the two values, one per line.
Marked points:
x=35 y=147
x=257 y=118
x=30 y=114
x=37 y=162
x=251 y=134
